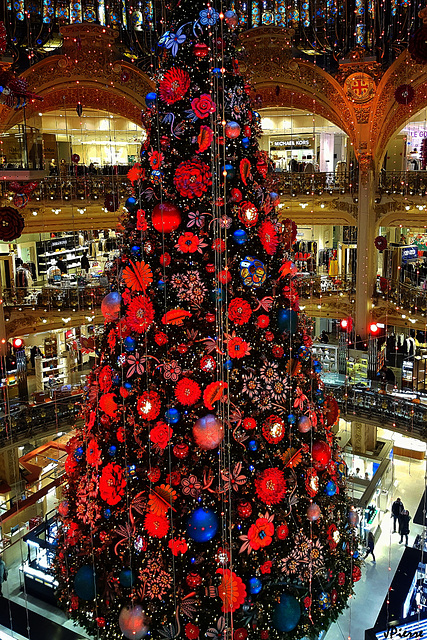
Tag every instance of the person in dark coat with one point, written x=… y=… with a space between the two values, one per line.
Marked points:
x=370 y=546
x=3 y=574
x=61 y=266
x=404 y=526
x=396 y=511
x=84 y=262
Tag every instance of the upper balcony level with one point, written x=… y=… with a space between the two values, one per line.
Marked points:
x=329 y=30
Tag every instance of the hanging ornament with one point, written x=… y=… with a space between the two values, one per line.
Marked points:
x=75 y=158
x=253 y=272
x=321 y=452
x=133 y=622
x=150 y=100
x=11 y=224
x=404 y=94
x=201 y=50
x=240 y=236
x=111 y=202
x=202 y=525
x=20 y=200
x=286 y=613
x=380 y=243
x=289 y=229
x=304 y=424
x=84 y=582
x=110 y=306
x=125 y=76
x=208 y=432
x=313 y=512
x=324 y=600
x=287 y=321
x=166 y=217
x=79 y=110
x=232 y=129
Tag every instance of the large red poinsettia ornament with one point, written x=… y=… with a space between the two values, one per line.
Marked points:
x=404 y=94
x=11 y=224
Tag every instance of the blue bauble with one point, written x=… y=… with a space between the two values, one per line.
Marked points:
x=126 y=578
x=240 y=236
x=287 y=321
x=78 y=453
x=291 y=418
x=245 y=143
x=254 y=585
x=217 y=71
x=84 y=582
x=172 y=416
x=112 y=451
x=161 y=285
x=110 y=306
x=127 y=385
x=202 y=525
x=131 y=204
x=331 y=488
x=320 y=398
x=317 y=367
x=274 y=198
x=107 y=513
x=150 y=100
x=228 y=365
x=135 y=249
x=355 y=554
x=253 y=445
x=129 y=344
x=324 y=600
x=231 y=171
x=286 y=613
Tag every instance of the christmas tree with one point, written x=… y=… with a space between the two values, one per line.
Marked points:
x=205 y=494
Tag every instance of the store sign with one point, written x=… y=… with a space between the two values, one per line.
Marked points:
x=300 y=143
x=401 y=632
x=59 y=243
x=409 y=253
x=417 y=134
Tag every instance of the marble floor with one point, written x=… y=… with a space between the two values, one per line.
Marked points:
x=370 y=592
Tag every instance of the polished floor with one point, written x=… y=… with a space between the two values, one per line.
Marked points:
x=36 y=620
x=370 y=592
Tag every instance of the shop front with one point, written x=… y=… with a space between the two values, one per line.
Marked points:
x=35 y=571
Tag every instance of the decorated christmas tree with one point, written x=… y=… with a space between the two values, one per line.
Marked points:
x=205 y=494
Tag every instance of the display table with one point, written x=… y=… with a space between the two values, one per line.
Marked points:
x=39 y=584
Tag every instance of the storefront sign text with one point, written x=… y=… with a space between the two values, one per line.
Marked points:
x=289 y=144
x=409 y=253
x=399 y=632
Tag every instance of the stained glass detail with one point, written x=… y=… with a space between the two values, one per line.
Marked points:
x=256 y=18
x=76 y=12
x=18 y=5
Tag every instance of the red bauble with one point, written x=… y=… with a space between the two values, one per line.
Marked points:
x=210 y=268
x=321 y=452
x=111 y=202
x=166 y=217
x=313 y=512
x=210 y=317
x=180 y=451
x=193 y=580
x=404 y=94
x=133 y=622
x=75 y=158
x=282 y=531
x=244 y=509
x=380 y=243
x=201 y=50
x=208 y=432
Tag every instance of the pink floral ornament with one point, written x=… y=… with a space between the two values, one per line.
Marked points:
x=136 y=365
x=191 y=486
x=171 y=371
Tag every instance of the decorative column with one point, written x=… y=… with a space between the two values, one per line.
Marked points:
x=366 y=255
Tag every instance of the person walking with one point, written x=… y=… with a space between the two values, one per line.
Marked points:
x=396 y=511
x=404 y=526
x=370 y=547
x=3 y=574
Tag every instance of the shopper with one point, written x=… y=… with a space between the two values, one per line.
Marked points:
x=84 y=262
x=404 y=526
x=396 y=511
x=324 y=337
x=370 y=546
x=3 y=574
x=61 y=266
